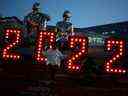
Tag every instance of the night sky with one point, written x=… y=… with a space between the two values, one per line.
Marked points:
x=86 y=13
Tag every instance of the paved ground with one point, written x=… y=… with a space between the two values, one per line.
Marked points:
x=62 y=86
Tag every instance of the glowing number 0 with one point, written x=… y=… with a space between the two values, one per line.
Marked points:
x=119 y=52
x=81 y=52
x=15 y=41
x=42 y=37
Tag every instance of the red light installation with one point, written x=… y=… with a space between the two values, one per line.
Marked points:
x=116 y=55
x=40 y=45
x=15 y=40
x=77 y=55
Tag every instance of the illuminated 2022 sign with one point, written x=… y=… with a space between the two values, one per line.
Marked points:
x=15 y=36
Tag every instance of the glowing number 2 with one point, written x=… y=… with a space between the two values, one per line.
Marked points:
x=81 y=52
x=16 y=40
x=119 y=52
x=42 y=37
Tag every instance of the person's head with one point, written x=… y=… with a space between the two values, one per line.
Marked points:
x=66 y=15
x=36 y=7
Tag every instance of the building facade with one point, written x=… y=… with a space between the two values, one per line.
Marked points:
x=98 y=34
